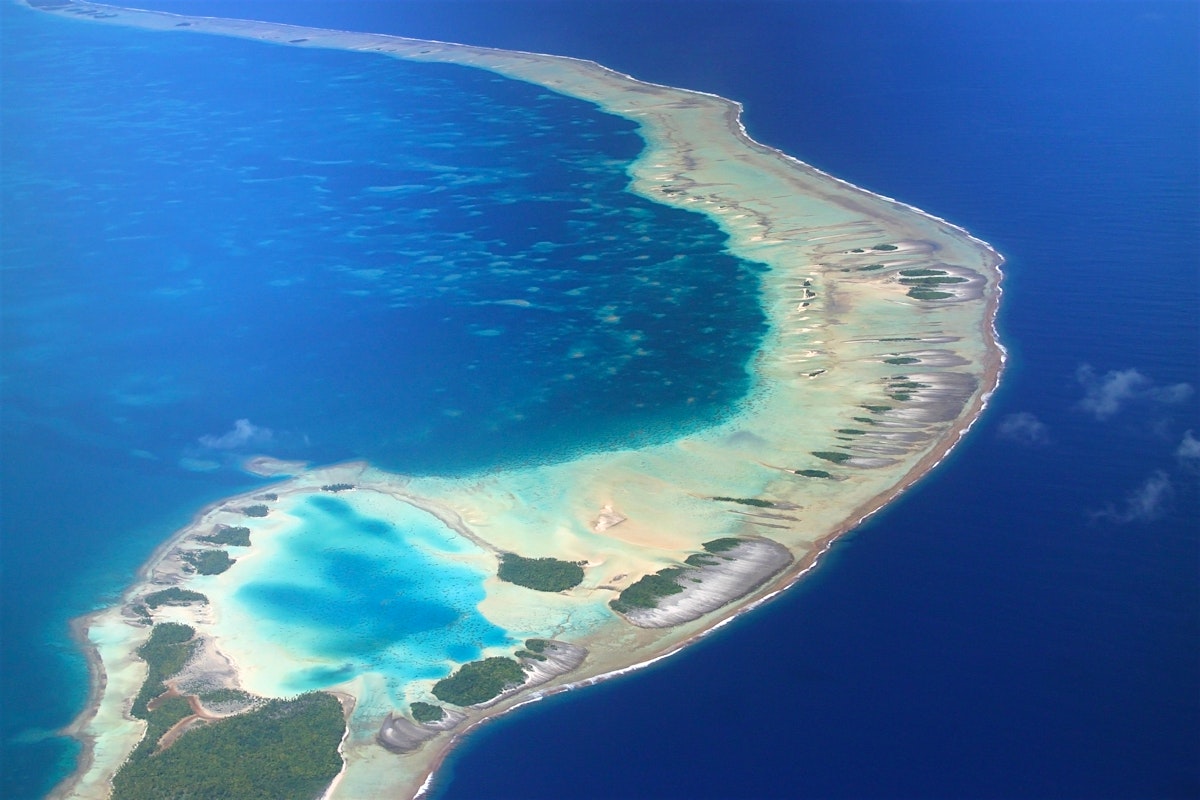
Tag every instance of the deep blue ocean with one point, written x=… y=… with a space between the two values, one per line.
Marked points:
x=1024 y=623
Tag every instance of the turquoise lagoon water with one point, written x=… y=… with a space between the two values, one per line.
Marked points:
x=366 y=594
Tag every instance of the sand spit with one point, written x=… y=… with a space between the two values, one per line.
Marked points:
x=733 y=574
x=866 y=379
x=558 y=658
x=268 y=467
x=941 y=399
x=607 y=519
x=401 y=735
x=206 y=671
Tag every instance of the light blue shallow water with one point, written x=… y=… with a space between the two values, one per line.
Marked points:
x=368 y=594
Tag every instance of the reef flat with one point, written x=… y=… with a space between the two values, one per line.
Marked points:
x=880 y=353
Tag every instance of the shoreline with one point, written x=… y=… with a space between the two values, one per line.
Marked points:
x=993 y=365
x=80 y=626
x=774 y=588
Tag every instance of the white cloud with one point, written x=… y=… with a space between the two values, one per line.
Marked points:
x=1189 y=449
x=243 y=433
x=1024 y=428
x=1146 y=503
x=1105 y=396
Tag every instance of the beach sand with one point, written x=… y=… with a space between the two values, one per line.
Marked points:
x=858 y=390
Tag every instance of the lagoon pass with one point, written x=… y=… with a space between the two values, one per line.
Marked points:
x=427 y=605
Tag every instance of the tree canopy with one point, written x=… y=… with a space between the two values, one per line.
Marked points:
x=542 y=574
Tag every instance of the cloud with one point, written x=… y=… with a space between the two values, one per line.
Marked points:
x=1146 y=503
x=244 y=433
x=1106 y=396
x=1024 y=428
x=1189 y=448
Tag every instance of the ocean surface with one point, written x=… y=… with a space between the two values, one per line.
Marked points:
x=180 y=256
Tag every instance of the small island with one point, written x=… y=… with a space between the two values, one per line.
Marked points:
x=542 y=574
x=727 y=569
x=235 y=535
x=209 y=562
x=173 y=596
x=427 y=712
x=479 y=681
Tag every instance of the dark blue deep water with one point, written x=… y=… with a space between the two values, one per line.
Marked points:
x=1025 y=623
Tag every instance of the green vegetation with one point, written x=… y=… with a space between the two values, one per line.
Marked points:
x=337 y=487
x=746 y=501
x=256 y=510
x=865 y=420
x=427 y=712
x=902 y=360
x=884 y=247
x=646 y=592
x=219 y=696
x=537 y=645
x=935 y=281
x=174 y=596
x=164 y=717
x=209 y=562
x=529 y=655
x=832 y=455
x=268 y=496
x=921 y=273
x=542 y=574
x=870 y=267
x=851 y=431
x=479 y=681
x=856 y=250
x=287 y=749
x=907 y=385
x=236 y=536
x=165 y=652
x=918 y=293
x=877 y=409
x=813 y=473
